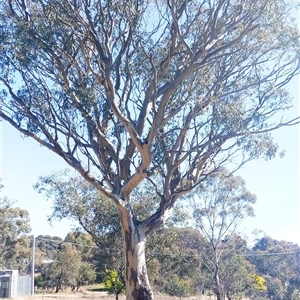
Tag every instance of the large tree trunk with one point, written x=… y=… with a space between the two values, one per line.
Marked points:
x=134 y=240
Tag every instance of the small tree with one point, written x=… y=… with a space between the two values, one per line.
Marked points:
x=180 y=287
x=39 y=282
x=64 y=271
x=236 y=275
x=258 y=282
x=114 y=282
x=14 y=242
x=86 y=275
x=219 y=207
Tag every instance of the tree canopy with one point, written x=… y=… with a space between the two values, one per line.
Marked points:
x=133 y=91
x=14 y=242
x=120 y=97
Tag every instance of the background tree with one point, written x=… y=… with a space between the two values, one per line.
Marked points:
x=67 y=270
x=63 y=271
x=49 y=246
x=220 y=205
x=173 y=260
x=281 y=271
x=46 y=251
x=236 y=274
x=84 y=243
x=114 y=282
x=124 y=100
x=75 y=199
x=86 y=275
x=14 y=243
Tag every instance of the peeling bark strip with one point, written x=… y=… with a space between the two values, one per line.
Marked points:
x=134 y=240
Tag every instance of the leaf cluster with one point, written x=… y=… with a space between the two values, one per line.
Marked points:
x=145 y=91
x=14 y=242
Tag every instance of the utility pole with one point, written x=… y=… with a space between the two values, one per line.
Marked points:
x=32 y=264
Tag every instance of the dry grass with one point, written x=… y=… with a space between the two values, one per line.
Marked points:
x=91 y=295
x=92 y=292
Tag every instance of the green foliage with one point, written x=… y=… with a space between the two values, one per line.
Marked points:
x=67 y=270
x=88 y=250
x=14 y=243
x=84 y=244
x=75 y=199
x=86 y=275
x=174 y=251
x=224 y=198
x=234 y=274
x=280 y=271
x=39 y=282
x=48 y=246
x=113 y=282
x=180 y=287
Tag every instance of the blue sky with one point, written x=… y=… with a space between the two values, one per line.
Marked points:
x=275 y=182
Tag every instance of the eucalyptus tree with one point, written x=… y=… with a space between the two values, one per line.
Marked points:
x=221 y=204
x=64 y=271
x=132 y=91
x=14 y=242
x=48 y=245
x=172 y=256
x=84 y=244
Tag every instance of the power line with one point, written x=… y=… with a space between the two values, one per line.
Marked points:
x=64 y=242
x=269 y=254
x=243 y=254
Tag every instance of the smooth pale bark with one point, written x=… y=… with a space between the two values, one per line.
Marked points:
x=134 y=241
x=217 y=282
x=217 y=279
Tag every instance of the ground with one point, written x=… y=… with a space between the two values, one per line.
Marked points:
x=89 y=295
